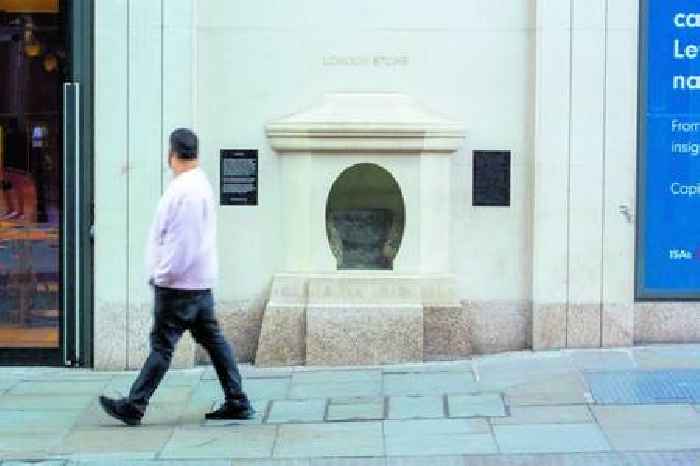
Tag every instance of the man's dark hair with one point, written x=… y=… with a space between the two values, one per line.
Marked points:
x=184 y=143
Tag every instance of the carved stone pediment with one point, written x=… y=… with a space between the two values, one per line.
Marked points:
x=365 y=122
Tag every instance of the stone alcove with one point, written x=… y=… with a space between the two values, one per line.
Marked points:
x=365 y=217
x=319 y=313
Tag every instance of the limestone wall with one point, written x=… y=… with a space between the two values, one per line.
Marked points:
x=553 y=81
x=143 y=89
x=585 y=173
x=471 y=60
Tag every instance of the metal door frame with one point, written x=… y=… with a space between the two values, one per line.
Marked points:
x=77 y=283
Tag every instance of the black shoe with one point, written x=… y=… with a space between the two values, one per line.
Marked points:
x=233 y=409
x=119 y=409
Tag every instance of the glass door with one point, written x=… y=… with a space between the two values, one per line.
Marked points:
x=34 y=65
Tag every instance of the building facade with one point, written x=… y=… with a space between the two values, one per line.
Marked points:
x=398 y=180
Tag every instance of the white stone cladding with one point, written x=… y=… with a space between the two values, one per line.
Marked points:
x=553 y=81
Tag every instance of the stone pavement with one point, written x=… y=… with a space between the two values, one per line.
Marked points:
x=588 y=407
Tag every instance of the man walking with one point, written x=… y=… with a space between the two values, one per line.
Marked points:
x=182 y=264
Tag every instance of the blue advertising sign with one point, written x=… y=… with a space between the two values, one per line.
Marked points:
x=668 y=248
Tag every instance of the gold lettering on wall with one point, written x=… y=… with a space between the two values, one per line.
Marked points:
x=366 y=60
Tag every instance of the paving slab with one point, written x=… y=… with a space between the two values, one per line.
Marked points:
x=654 y=439
x=267 y=389
x=335 y=439
x=275 y=462
x=551 y=421
x=58 y=388
x=159 y=416
x=438 y=437
x=416 y=407
x=486 y=405
x=438 y=366
x=144 y=462
x=37 y=422
x=498 y=372
x=688 y=458
x=602 y=360
x=429 y=383
x=667 y=358
x=163 y=394
x=550 y=438
x=183 y=377
x=228 y=442
x=192 y=416
x=172 y=395
x=210 y=373
x=36 y=373
x=546 y=415
x=110 y=458
x=343 y=369
x=335 y=389
x=123 y=442
x=283 y=411
x=119 y=385
x=575 y=459
x=21 y=445
x=69 y=375
x=34 y=463
x=336 y=384
x=355 y=409
x=174 y=378
x=337 y=376
x=44 y=403
x=562 y=389
x=208 y=390
x=256 y=389
x=259 y=418
x=376 y=461
x=647 y=416
x=444 y=460
x=249 y=371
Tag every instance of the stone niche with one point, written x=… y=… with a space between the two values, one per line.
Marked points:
x=365 y=183
x=365 y=218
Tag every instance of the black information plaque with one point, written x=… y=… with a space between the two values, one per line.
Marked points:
x=491 y=178
x=239 y=177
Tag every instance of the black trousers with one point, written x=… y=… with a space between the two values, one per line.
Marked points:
x=175 y=312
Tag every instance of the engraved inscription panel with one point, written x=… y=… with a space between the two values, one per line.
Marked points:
x=239 y=177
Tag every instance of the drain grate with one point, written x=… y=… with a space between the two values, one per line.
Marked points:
x=640 y=387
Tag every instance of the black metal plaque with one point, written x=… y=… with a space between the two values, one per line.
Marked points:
x=491 y=178
x=239 y=177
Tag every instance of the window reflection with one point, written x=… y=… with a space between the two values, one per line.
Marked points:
x=32 y=70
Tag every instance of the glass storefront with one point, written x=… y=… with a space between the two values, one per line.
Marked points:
x=34 y=64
